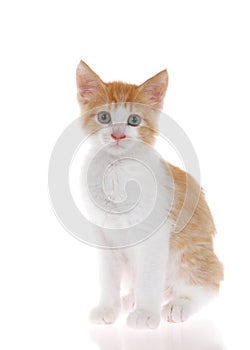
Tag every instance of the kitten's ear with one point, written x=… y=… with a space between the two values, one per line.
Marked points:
x=153 y=90
x=88 y=83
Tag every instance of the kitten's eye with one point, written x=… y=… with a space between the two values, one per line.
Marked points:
x=134 y=120
x=104 y=117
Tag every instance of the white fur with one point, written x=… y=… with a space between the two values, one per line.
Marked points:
x=145 y=271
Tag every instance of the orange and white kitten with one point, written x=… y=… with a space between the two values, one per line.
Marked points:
x=169 y=275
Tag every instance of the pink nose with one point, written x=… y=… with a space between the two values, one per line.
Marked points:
x=118 y=136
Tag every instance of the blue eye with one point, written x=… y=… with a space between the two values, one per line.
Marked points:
x=134 y=120
x=104 y=117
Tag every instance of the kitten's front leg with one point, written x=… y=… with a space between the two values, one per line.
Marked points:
x=151 y=266
x=110 y=278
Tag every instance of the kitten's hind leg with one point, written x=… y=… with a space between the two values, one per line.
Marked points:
x=177 y=310
x=187 y=303
x=128 y=301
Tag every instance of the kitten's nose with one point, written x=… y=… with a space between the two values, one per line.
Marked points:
x=118 y=136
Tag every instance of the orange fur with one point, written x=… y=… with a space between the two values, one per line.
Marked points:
x=194 y=244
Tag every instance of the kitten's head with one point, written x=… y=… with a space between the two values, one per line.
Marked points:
x=116 y=113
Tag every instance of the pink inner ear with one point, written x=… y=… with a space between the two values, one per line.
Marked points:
x=154 y=93
x=86 y=88
x=88 y=83
x=154 y=89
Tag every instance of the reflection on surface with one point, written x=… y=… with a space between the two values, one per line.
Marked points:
x=195 y=334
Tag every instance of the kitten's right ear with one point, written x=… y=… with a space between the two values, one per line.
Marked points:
x=88 y=83
x=153 y=90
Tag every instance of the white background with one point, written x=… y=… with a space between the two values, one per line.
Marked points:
x=48 y=279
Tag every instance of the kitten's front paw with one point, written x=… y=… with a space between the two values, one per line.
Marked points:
x=104 y=315
x=142 y=319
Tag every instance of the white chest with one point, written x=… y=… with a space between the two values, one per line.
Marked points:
x=126 y=199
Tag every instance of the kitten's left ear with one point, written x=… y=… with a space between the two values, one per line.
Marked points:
x=88 y=83
x=153 y=90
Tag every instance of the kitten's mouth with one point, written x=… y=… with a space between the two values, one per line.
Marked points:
x=121 y=144
x=117 y=144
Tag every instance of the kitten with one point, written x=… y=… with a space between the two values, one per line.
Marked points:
x=170 y=274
